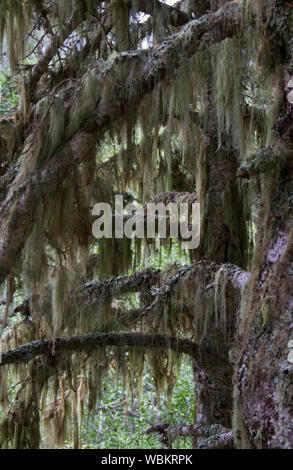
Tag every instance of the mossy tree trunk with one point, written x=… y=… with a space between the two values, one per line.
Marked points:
x=263 y=378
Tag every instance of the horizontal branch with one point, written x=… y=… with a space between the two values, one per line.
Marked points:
x=263 y=160
x=117 y=286
x=91 y=341
x=186 y=430
x=168 y=290
x=215 y=436
x=156 y=286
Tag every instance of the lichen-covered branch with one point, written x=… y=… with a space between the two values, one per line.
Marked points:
x=186 y=430
x=91 y=341
x=157 y=289
x=262 y=161
x=116 y=286
x=211 y=437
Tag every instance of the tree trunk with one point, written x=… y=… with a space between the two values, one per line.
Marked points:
x=263 y=380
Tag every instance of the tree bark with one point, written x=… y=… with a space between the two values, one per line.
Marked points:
x=263 y=380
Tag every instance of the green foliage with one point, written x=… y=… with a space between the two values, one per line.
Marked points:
x=9 y=96
x=111 y=429
x=164 y=256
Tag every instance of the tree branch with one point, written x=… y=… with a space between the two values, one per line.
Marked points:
x=215 y=436
x=166 y=286
x=186 y=430
x=263 y=160
x=120 y=285
x=91 y=341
